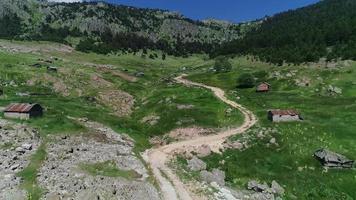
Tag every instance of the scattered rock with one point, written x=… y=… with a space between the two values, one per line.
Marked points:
x=185 y=107
x=334 y=90
x=151 y=120
x=12 y=159
x=264 y=191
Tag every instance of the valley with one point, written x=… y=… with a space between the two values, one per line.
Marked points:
x=159 y=99
x=101 y=101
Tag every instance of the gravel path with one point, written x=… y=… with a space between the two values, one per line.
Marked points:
x=171 y=186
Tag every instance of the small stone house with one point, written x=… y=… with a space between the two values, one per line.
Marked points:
x=283 y=115
x=263 y=87
x=23 y=111
x=332 y=160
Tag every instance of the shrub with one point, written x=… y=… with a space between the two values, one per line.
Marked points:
x=222 y=64
x=246 y=80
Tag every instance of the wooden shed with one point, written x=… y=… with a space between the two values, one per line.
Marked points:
x=23 y=111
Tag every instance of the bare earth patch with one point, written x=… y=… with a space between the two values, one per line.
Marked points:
x=34 y=47
x=189 y=133
x=97 y=81
x=110 y=69
x=119 y=101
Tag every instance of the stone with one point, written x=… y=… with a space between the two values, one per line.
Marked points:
x=27 y=146
x=14 y=167
x=195 y=164
x=334 y=90
x=256 y=186
x=273 y=141
x=20 y=150
x=276 y=188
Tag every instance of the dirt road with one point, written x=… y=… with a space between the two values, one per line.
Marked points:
x=171 y=186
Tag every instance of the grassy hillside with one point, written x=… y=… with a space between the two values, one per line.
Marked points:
x=76 y=90
x=328 y=124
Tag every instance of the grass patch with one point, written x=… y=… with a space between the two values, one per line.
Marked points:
x=29 y=174
x=110 y=169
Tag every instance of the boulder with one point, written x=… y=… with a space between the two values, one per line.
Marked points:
x=215 y=175
x=277 y=189
x=195 y=164
x=256 y=186
x=332 y=160
x=27 y=146
x=20 y=150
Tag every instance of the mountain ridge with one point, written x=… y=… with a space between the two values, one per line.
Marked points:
x=109 y=27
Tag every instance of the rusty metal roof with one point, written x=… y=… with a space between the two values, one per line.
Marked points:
x=263 y=87
x=19 y=107
x=284 y=112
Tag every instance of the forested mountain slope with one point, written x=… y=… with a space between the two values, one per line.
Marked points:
x=326 y=29
x=105 y=27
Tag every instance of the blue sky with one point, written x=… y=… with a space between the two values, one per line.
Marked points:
x=231 y=10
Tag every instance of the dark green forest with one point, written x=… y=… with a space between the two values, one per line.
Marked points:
x=324 y=30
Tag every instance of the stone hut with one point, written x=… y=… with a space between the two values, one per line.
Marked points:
x=283 y=115
x=263 y=87
x=332 y=160
x=23 y=111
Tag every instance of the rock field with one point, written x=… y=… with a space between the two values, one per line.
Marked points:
x=17 y=144
x=62 y=177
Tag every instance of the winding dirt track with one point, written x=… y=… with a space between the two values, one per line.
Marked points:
x=171 y=186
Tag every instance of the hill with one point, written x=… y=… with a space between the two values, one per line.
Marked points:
x=102 y=27
x=323 y=30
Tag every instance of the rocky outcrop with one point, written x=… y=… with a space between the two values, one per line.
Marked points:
x=215 y=175
x=264 y=191
x=333 y=160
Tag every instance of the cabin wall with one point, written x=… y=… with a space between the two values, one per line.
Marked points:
x=13 y=115
x=285 y=118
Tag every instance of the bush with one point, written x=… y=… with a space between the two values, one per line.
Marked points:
x=246 y=80
x=222 y=64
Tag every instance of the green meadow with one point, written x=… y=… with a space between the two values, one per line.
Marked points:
x=155 y=94
x=329 y=122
